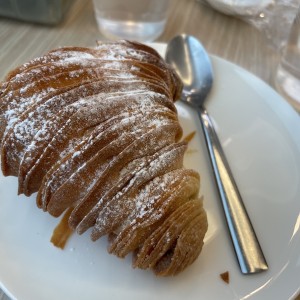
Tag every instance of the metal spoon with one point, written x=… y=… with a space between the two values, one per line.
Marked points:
x=192 y=64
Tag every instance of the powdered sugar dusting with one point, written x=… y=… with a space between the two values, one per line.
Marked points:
x=96 y=130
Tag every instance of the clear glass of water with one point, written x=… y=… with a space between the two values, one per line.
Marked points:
x=139 y=20
x=287 y=78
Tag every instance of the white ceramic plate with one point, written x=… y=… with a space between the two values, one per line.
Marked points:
x=260 y=134
x=240 y=7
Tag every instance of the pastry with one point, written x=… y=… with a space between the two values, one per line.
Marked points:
x=95 y=132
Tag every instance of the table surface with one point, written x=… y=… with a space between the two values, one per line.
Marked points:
x=224 y=36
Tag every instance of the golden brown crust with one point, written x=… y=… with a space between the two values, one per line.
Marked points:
x=95 y=132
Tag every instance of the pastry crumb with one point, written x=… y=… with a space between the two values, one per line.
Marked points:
x=189 y=137
x=225 y=277
x=62 y=232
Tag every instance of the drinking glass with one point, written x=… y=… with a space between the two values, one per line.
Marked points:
x=139 y=20
x=287 y=79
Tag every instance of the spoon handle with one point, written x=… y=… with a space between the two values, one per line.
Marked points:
x=246 y=245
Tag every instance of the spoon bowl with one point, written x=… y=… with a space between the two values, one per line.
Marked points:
x=192 y=63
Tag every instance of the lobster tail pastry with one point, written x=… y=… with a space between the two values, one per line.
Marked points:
x=95 y=133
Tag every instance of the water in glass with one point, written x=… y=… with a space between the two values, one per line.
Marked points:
x=142 y=20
